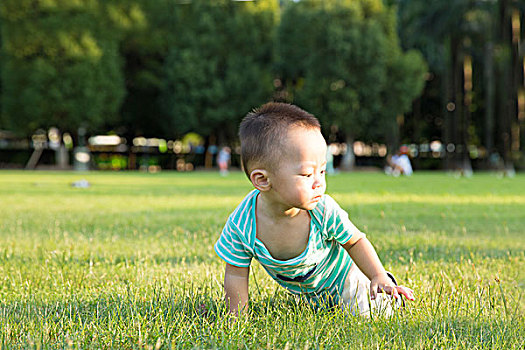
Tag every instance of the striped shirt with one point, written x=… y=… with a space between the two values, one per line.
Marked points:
x=318 y=272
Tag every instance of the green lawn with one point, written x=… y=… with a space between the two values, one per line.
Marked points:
x=129 y=263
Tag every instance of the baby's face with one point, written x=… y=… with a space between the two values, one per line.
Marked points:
x=299 y=180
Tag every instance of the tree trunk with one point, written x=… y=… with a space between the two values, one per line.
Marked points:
x=348 y=161
x=466 y=166
x=516 y=70
x=454 y=106
x=393 y=137
x=446 y=96
x=505 y=91
x=418 y=125
x=489 y=98
x=62 y=157
x=461 y=159
x=211 y=149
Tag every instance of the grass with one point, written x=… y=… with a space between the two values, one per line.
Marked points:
x=129 y=263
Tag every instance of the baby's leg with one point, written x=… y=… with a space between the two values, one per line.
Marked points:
x=356 y=296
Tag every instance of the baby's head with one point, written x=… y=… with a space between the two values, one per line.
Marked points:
x=263 y=134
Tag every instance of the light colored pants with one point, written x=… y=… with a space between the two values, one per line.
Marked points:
x=356 y=296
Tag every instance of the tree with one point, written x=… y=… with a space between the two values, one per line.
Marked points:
x=220 y=66
x=440 y=31
x=511 y=81
x=349 y=69
x=149 y=31
x=1 y=58
x=468 y=46
x=60 y=64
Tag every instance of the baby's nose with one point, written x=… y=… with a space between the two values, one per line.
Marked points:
x=318 y=182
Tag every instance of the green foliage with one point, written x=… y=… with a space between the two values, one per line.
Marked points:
x=1 y=80
x=144 y=48
x=342 y=61
x=449 y=32
x=129 y=263
x=429 y=26
x=220 y=67
x=60 y=64
x=405 y=74
x=167 y=67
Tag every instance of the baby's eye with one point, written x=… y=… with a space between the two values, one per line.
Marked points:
x=307 y=175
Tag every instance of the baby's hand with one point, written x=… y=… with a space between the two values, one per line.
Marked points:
x=383 y=284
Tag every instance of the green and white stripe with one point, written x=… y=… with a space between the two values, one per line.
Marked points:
x=329 y=229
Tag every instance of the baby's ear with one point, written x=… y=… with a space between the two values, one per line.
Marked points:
x=260 y=181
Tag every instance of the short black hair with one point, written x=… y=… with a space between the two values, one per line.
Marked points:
x=263 y=131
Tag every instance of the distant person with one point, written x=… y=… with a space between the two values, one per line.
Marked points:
x=223 y=160
x=300 y=235
x=399 y=163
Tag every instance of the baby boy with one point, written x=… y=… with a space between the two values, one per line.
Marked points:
x=300 y=235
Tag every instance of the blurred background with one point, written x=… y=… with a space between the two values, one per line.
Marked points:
x=152 y=85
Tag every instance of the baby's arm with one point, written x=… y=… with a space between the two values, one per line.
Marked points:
x=365 y=256
x=236 y=288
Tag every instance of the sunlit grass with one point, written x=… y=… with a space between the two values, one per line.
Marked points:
x=129 y=263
